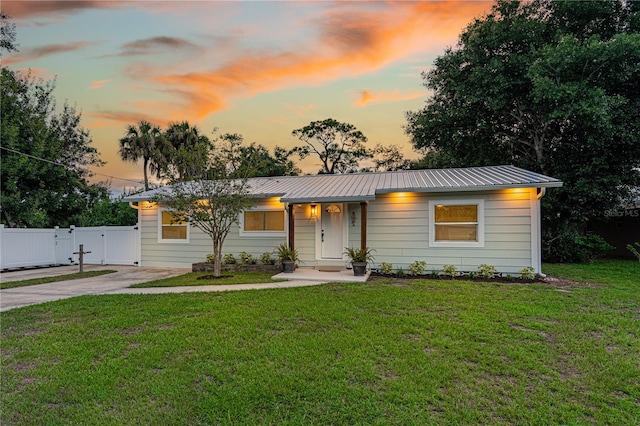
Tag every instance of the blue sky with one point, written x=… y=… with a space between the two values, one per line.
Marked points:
x=258 y=68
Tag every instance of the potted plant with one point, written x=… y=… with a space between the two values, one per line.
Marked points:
x=359 y=259
x=288 y=257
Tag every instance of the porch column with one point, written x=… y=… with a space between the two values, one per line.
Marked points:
x=363 y=224
x=290 y=216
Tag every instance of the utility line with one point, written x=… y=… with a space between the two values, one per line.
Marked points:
x=62 y=165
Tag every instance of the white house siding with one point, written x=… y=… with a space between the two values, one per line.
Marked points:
x=182 y=255
x=398 y=229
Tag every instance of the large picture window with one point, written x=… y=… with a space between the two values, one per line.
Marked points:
x=172 y=228
x=456 y=223
x=262 y=223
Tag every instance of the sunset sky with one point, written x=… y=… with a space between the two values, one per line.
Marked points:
x=258 y=68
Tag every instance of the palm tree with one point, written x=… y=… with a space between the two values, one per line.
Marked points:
x=143 y=141
x=187 y=153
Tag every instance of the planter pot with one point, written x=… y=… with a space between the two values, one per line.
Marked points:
x=288 y=266
x=359 y=268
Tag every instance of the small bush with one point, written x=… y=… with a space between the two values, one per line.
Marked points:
x=434 y=273
x=450 y=270
x=417 y=267
x=633 y=249
x=210 y=258
x=569 y=246
x=472 y=275
x=267 y=258
x=386 y=268
x=229 y=259
x=527 y=273
x=486 y=271
x=247 y=258
x=400 y=273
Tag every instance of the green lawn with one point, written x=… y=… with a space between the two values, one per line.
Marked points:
x=420 y=352
x=226 y=278
x=54 y=279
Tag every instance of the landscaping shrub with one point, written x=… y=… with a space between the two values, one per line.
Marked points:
x=267 y=258
x=527 y=273
x=386 y=268
x=247 y=258
x=417 y=267
x=486 y=271
x=633 y=249
x=569 y=246
x=450 y=270
x=228 y=259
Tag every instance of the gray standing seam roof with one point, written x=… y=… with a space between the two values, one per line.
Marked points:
x=365 y=186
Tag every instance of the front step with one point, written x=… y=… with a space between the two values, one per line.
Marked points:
x=329 y=268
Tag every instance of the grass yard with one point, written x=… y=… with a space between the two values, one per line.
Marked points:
x=420 y=352
x=226 y=278
x=54 y=279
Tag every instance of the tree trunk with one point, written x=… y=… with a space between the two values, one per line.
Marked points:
x=217 y=258
x=146 y=178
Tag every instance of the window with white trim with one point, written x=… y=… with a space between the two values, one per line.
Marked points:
x=262 y=223
x=171 y=227
x=456 y=223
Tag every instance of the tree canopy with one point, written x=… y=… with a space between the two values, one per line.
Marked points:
x=45 y=153
x=338 y=146
x=549 y=86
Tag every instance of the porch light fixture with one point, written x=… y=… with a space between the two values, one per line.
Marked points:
x=314 y=211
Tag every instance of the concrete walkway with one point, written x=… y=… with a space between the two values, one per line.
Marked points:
x=115 y=283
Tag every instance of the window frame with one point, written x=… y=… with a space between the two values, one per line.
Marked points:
x=456 y=202
x=263 y=234
x=171 y=240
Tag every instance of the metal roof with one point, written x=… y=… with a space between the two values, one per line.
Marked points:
x=365 y=186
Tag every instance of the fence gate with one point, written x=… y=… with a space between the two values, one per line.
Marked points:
x=109 y=245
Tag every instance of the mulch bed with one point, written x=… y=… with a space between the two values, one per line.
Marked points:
x=560 y=283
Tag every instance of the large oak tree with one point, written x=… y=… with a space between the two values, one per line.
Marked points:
x=549 y=86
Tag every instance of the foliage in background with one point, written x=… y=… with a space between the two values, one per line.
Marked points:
x=53 y=191
x=254 y=160
x=339 y=146
x=634 y=250
x=548 y=86
x=108 y=212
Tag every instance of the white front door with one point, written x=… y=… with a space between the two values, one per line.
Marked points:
x=331 y=238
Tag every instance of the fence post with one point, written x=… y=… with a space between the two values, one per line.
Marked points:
x=1 y=246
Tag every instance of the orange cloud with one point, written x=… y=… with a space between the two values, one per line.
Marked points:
x=345 y=47
x=367 y=97
x=98 y=84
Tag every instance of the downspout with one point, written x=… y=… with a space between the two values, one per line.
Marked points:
x=536 y=231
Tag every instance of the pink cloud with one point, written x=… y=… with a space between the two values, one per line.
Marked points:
x=39 y=52
x=98 y=84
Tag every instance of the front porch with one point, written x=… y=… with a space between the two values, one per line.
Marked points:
x=311 y=274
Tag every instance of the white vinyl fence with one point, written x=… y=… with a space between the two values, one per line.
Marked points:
x=109 y=245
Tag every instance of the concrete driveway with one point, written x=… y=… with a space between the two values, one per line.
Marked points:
x=115 y=283
x=103 y=284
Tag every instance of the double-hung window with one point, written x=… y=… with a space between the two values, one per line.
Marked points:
x=262 y=223
x=456 y=223
x=172 y=228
